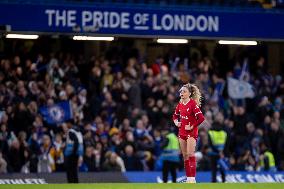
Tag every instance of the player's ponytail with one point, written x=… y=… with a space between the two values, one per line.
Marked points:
x=195 y=93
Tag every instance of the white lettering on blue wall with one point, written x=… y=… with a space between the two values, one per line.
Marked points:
x=253 y=178
x=200 y=23
x=105 y=19
x=140 y=21
x=23 y=181
x=61 y=18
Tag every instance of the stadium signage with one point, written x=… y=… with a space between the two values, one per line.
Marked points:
x=253 y=178
x=231 y=177
x=23 y=181
x=121 y=20
x=186 y=23
x=139 y=177
x=144 y=22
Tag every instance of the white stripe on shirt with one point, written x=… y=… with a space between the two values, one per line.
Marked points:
x=197 y=113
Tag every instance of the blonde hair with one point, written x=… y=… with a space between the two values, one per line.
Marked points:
x=195 y=93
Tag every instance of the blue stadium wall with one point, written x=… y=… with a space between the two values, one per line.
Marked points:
x=142 y=21
x=138 y=177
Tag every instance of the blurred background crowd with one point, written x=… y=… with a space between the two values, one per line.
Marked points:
x=121 y=104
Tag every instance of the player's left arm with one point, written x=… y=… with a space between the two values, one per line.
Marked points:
x=197 y=114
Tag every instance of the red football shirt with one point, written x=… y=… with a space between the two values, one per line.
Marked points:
x=188 y=113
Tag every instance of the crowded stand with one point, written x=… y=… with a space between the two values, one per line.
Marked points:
x=121 y=103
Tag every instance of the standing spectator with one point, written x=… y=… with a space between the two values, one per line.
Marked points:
x=134 y=94
x=170 y=155
x=274 y=138
x=240 y=120
x=218 y=142
x=73 y=153
x=267 y=161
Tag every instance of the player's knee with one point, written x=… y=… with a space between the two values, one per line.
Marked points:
x=185 y=156
x=190 y=154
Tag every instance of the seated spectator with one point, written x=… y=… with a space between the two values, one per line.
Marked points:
x=113 y=162
x=16 y=156
x=59 y=156
x=46 y=163
x=132 y=162
x=89 y=159
x=245 y=161
x=3 y=164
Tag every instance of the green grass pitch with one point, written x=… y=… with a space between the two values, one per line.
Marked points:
x=147 y=186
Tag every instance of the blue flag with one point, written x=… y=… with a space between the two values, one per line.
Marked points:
x=238 y=89
x=245 y=75
x=57 y=113
x=218 y=93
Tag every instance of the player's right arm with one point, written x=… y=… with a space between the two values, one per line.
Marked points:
x=176 y=116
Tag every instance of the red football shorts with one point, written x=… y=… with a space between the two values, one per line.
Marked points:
x=185 y=137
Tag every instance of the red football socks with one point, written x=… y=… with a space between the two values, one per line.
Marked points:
x=186 y=168
x=191 y=166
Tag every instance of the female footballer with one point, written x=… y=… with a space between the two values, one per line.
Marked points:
x=187 y=117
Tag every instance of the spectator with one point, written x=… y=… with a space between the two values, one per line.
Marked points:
x=5 y=137
x=3 y=164
x=22 y=118
x=267 y=161
x=59 y=155
x=73 y=153
x=132 y=162
x=90 y=159
x=113 y=162
x=274 y=138
x=16 y=156
x=46 y=162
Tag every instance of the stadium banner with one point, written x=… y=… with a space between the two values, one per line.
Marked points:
x=138 y=177
x=142 y=21
x=58 y=178
x=205 y=177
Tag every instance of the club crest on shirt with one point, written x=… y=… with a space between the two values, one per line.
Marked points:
x=184 y=117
